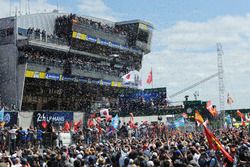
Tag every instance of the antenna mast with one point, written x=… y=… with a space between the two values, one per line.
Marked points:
x=57 y=6
x=221 y=81
x=20 y=7
x=10 y=7
x=28 y=6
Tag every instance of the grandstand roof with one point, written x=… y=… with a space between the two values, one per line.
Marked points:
x=44 y=21
x=135 y=21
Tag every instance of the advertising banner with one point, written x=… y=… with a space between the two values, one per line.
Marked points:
x=10 y=118
x=53 y=76
x=56 y=118
x=73 y=78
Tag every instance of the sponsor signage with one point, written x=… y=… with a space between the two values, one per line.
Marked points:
x=56 y=118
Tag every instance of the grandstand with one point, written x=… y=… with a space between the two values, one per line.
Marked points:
x=65 y=62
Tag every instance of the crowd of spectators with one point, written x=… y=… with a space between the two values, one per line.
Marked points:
x=74 y=96
x=64 y=25
x=146 y=145
x=107 y=52
x=11 y=107
x=53 y=59
x=67 y=96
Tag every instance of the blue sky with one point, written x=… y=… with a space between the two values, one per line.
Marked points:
x=184 y=41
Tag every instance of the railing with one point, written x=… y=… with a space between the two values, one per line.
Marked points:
x=88 y=29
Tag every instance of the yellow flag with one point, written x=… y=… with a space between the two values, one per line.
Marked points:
x=198 y=117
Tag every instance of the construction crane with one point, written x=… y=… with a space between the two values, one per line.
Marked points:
x=194 y=85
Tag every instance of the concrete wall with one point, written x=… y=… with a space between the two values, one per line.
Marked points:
x=20 y=84
x=8 y=61
x=8 y=77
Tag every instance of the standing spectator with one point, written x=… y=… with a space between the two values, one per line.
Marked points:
x=13 y=137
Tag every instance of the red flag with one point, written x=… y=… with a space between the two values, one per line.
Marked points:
x=150 y=77
x=77 y=125
x=70 y=125
x=90 y=123
x=131 y=121
x=211 y=108
x=98 y=119
x=66 y=126
x=92 y=116
x=243 y=123
x=44 y=124
x=209 y=139
x=215 y=144
x=242 y=116
x=99 y=129
x=108 y=118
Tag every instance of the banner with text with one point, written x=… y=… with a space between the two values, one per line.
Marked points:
x=56 y=118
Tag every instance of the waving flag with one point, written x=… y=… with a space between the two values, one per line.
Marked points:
x=131 y=77
x=66 y=126
x=131 y=121
x=247 y=118
x=242 y=116
x=104 y=112
x=215 y=144
x=211 y=108
x=98 y=120
x=108 y=118
x=77 y=125
x=179 y=122
x=150 y=77
x=198 y=117
x=229 y=99
x=127 y=77
x=90 y=123
x=2 y=115
x=115 y=122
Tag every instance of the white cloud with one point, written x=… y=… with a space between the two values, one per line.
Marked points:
x=35 y=6
x=5 y=8
x=96 y=8
x=186 y=53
